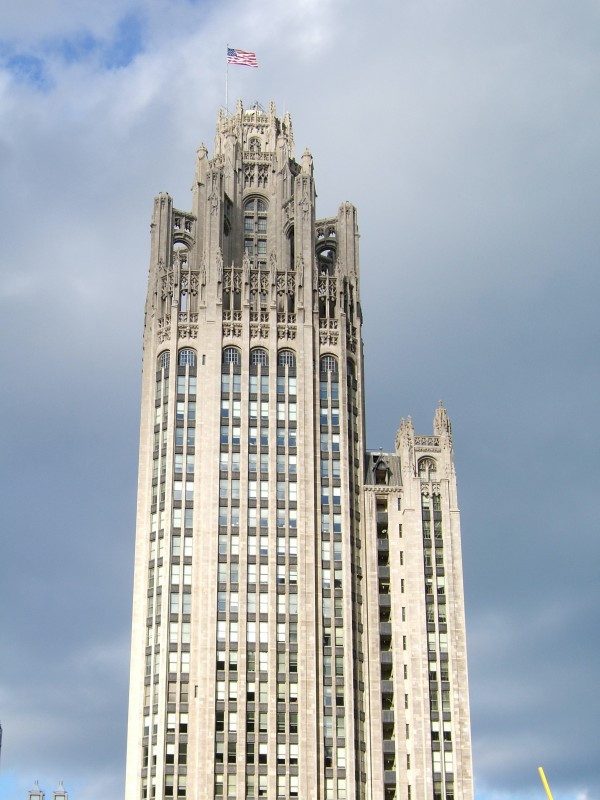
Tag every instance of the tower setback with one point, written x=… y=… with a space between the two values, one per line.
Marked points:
x=298 y=623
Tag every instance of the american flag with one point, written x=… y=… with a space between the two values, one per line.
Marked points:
x=241 y=57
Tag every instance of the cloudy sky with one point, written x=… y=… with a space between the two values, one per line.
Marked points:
x=467 y=133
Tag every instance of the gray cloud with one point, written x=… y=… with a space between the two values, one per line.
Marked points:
x=466 y=134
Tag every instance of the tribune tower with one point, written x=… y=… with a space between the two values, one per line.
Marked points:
x=298 y=623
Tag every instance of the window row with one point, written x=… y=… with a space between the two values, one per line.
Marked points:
x=257 y=602
x=285 y=358
x=257 y=545
x=258 y=357
x=285 y=490
x=226 y=785
x=185 y=357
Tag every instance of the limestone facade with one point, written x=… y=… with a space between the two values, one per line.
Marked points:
x=295 y=633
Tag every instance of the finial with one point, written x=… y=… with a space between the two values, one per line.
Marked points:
x=441 y=421
x=307 y=161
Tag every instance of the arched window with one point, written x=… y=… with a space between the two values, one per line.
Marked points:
x=427 y=469
x=164 y=360
x=187 y=357
x=231 y=355
x=286 y=358
x=326 y=260
x=329 y=364
x=291 y=250
x=259 y=357
x=255 y=230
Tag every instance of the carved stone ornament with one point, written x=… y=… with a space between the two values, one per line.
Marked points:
x=286 y=331
x=167 y=284
x=259 y=331
x=300 y=271
x=428 y=444
x=232 y=329
x=327 y=287
x=187 y=331
x=328 y=332
x=164 y=328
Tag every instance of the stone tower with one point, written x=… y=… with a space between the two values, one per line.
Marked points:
x=259 y=667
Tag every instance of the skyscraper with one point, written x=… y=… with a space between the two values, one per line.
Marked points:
x=298 y=623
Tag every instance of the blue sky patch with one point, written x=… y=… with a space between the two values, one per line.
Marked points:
x=127 y=42
x=115 y=51
x=29 y=69
x=77 y=48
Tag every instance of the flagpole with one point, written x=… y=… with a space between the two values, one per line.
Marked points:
x=226 y=83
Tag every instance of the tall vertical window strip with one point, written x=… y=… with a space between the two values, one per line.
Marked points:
x=175 y=548
x=154 y=667
x=334 y=723
x=354 y=478
x=255 y=231
x=286 y=497
x=232 y=631
x=435 y=598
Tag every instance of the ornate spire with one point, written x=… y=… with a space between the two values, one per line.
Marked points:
x=307 y=162
x=441 y=425
x=405 y=445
